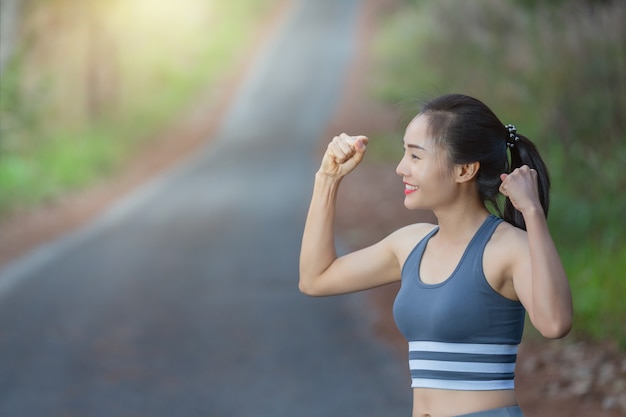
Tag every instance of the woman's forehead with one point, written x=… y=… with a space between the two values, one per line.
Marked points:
x=417 y=133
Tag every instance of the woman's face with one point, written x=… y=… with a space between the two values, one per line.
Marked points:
x=424 y=168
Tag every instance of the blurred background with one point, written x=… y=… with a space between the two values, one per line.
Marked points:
x=87 y=84
x=88 y=87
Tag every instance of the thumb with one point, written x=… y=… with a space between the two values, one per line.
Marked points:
x=360 y=143
x=503 y=176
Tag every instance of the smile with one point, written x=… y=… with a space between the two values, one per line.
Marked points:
x=408 y=188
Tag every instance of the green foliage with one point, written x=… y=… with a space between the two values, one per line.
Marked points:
x=598 y=287
x=93 y=81
x=557 y=72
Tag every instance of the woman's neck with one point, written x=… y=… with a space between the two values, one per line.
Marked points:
x=460 y=222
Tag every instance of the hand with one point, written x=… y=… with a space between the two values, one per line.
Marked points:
x=343 y=154
x=520 y=186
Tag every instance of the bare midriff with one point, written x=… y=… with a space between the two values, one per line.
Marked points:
x=449 y=403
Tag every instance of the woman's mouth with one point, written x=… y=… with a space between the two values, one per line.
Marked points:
x=408 y=188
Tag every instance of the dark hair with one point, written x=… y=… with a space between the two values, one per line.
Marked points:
x=470 y=132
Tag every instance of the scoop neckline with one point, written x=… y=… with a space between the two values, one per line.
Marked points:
x=458 y=265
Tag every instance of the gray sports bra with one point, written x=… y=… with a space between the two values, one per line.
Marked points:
x=462 y=334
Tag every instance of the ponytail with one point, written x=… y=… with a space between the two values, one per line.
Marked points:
x=524 y=152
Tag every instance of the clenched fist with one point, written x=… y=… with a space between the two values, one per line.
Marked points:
x=520 y=186
x=344 y=153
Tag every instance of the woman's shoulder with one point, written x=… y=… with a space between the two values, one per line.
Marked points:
x=508 y=240
x=415 y=230
x=506 y=233
x=405 y=238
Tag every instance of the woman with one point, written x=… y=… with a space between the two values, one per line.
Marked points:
x=467 y=282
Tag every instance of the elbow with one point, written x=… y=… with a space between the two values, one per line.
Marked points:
x=304 y=289
x=556 y=332
x=304 y=284
x=557 y=329
x=307 y=288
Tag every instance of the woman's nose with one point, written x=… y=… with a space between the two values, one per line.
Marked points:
x=400 y=168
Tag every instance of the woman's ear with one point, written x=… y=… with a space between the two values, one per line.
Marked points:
x=466 y=172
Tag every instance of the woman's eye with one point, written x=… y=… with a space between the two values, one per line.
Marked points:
x=413 y=156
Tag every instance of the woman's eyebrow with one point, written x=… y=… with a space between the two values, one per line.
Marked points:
x=410 y=145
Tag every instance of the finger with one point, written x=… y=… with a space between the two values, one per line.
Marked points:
x=353 y=141
x=504 y=178
x=331 y=149
x=338 y=147
x=352 y=146
x=345 y=145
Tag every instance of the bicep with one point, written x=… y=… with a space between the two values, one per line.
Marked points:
x=366 y=268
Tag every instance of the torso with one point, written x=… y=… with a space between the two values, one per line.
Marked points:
x=447 y=403
x=438 y=263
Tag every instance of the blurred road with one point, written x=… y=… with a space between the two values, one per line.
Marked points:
x=182 y=300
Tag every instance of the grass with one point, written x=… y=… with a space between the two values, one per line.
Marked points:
x=92 y=82
x=556 y=71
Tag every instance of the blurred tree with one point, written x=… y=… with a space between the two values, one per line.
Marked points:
x=9 y=18
x=102 y=76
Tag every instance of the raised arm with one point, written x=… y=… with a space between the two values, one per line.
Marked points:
x=541 y=284
x=321 y=271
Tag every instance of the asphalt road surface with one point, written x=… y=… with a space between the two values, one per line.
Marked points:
x=182 y=300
